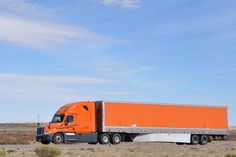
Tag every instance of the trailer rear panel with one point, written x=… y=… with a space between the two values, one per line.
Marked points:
x=162 y=118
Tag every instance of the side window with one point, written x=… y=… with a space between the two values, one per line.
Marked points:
x=70 y=119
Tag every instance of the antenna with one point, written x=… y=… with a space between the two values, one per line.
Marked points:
x=38 y=119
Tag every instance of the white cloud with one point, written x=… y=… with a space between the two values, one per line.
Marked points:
x=26 y=8
x=43 y=35
x=52 y=79
x=17 y=26
x=122 y=3
x=33 y=94
x=46 y=88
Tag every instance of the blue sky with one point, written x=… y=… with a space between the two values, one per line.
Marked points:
x=55 y=52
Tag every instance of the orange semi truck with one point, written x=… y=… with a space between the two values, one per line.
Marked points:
x=114 y=122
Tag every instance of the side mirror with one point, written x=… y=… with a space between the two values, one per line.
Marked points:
x=66 y=122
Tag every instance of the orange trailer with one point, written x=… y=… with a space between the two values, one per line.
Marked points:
x=115 y=122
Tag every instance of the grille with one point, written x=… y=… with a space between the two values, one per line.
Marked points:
x=40 y=130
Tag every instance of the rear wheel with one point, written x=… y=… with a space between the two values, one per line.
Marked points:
x=116 y=139
x=58 y=138
x=104 y=138
x=204 y=139
x=194 y=139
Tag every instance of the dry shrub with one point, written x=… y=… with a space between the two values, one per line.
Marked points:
x=8 y=140
x=13 y=139
x=47 y=151
x=11 y=151
x=230 y=155
x=3 y=152
x=22 y=140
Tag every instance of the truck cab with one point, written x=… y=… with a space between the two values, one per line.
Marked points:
x=73 y=122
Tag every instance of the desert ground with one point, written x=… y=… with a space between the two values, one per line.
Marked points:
x=136 y=149
x=141 y=149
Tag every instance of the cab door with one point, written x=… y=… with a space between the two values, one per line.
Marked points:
x=70 y=123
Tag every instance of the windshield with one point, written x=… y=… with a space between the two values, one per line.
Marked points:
x=57 y=118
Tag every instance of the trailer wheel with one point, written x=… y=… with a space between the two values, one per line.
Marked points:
x=204 y=139
x=58 y=138
x=116 y=139
x=194 y=139
x=104 y=138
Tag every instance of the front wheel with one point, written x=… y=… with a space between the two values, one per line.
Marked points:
x=45 y=142
x=58 y=138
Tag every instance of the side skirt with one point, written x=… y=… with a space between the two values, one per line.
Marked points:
x=162 y=137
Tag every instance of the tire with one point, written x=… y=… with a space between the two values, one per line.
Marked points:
x=194 y=139
x=104 y=138
x=116 y=139
x=58 y=138
x=92 y=143
x=204 y=139
x=129 y=138
x=180 y=143
x=45 y=142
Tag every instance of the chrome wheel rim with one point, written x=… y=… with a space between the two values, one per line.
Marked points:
x=105 y=139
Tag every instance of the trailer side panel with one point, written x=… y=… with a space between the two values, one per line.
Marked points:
x=161 y=118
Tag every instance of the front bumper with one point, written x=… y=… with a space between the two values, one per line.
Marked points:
x=47 y=137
